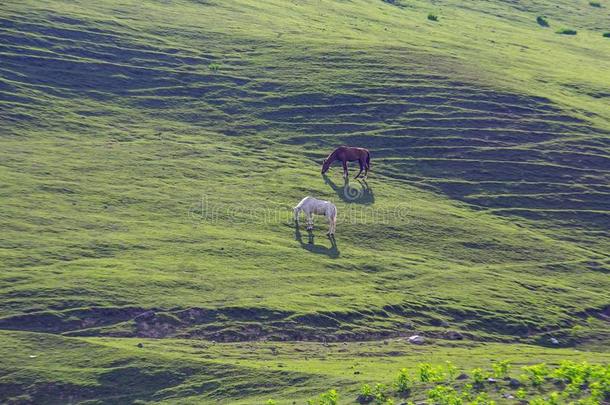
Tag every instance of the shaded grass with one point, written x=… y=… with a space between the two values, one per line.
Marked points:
x=566 y=31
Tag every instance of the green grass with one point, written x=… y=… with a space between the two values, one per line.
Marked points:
x=152 y=151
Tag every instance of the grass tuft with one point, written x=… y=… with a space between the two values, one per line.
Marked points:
x=542 y=21
x=566 y=31
x=432 y=17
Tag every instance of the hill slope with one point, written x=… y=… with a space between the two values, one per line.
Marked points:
x=152 y=152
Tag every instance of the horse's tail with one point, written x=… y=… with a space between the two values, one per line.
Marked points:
x=333 y=220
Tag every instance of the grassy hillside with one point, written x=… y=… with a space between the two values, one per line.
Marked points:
x=152 y=151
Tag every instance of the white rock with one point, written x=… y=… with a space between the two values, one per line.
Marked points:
x=416 y=340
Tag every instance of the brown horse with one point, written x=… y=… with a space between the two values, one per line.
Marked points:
x=349 y=154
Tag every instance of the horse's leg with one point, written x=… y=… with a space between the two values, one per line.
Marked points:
x=330 y=226
x=345 y=168
x=361 y=168
x=309 y=221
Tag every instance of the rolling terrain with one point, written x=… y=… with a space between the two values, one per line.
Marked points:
x=152 y=152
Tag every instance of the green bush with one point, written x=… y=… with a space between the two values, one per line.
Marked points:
x=555 y=398
x=432 y=17
x=427 y=373
x=501 y=369
x=478 y=376
x=366 y=394
x=573 y=373
x=541 y=20
x=214 y=67
x=536 y=374
x=443 y=395
x=600 y=386
x=595 y=4
x=566 y=31
x=606 y=34
x=451 y=371
x=403 y=382
x=380 y=394
x=467 y=392
x=330 y=397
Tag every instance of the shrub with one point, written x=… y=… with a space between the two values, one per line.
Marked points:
x=521 y=394
x=606 y=34
x=573 y=373
x=501 y=369
x=600 y=387
x=432 y=17
x=478 y=376
x=328 y=398
x=467 y=392
x=271 y=402
x=424 y=370
x=536 y=373
x=366 y=394
x=214 y=67
x=379 y=393
x=554 y=399
x=595 y=4
x=427 y=373
x=403 y=382
x=567 y=31
x=541 y=20
x=443 y=395
x=452 y=371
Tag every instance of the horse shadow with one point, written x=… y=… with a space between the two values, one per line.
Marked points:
x=332 y=251
x=362 y=194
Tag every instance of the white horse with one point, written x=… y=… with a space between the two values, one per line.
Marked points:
x=310 y=206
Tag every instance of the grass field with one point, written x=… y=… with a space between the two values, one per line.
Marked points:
x=152 y=152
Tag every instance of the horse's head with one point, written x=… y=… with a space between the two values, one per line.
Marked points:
x=326 y=165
